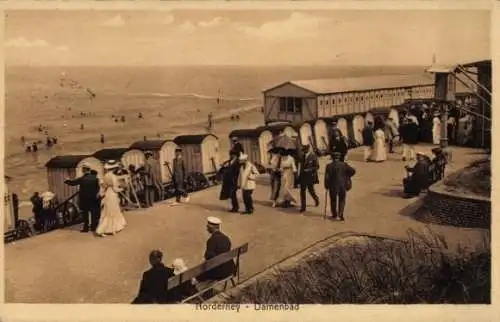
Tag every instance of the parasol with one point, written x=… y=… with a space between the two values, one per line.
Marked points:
x=283 y=142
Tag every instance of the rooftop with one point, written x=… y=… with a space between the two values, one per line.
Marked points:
x=353 y=84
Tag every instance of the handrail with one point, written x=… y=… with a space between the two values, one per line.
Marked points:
x=65 y=202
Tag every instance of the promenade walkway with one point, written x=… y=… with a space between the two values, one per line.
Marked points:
x=66 y=266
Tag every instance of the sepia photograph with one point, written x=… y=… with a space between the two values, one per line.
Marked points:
x=271 y=158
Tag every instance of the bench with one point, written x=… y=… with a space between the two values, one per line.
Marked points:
x=206 y=266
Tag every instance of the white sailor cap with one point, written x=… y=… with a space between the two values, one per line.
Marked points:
x=214 y=221
x=421 y=153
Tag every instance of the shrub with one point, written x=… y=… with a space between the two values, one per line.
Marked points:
x=419 y=270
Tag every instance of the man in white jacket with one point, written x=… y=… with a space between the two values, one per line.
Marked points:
x=246 y=182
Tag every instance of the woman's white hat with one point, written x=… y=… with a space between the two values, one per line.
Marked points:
x=179 y=266
x=111 y=164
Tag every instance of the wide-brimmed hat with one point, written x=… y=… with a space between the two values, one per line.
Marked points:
x=111 y=164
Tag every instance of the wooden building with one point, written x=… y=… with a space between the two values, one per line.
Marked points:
x=309 y=100
x=163 y=151
x=200 y=152
x=60 y=168
x=126 y=156
x=255 y=142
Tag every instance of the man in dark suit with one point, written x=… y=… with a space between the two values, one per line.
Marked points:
x=88 y=197
x=179 y=176
x=151 y=178
x=308 y=176
x=338 y=143
x=237 y=147
x=337 y=181
x=153 y=288
x=217 y=244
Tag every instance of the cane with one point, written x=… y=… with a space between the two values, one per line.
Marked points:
x=326 y=202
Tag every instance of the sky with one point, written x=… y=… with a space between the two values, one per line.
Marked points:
x=245 y=37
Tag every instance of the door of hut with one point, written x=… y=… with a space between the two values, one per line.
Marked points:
x=321 y=134
x=210 y=154
x=342 y=125
x=254 y=151
x=264 y=139
x=166 y=154
x=306 y=134
x=358 y=123
x=56 y=177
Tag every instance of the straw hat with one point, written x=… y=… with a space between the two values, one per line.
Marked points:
x=111 y=164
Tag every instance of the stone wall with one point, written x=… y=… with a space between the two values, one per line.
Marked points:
x=450 y=208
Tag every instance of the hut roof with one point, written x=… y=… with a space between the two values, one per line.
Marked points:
x=247 y=133
x=110 y=154
x=65 y=161
x=149 y=144
x=356 y=84
x=191 y=139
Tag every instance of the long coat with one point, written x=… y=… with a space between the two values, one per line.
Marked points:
x=150 y=170
x=89 y=190
x=229 y=179
x=153 y=288
x=308 y=169
x=368 y=136
x=178 y=173
x=412 y=133
x=339 y=145
x=337 y=174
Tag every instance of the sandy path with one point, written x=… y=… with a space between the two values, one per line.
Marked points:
x=69 y=267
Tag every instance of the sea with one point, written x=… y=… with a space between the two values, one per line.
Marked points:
x=64 y=99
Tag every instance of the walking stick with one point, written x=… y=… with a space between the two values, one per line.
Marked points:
x=326 y=201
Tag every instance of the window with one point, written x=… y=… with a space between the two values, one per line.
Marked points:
x=291 y=105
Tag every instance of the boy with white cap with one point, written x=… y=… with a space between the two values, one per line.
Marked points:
x=246 y=182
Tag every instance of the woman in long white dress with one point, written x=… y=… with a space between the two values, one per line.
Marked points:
x=436 y=129
x=112 y=220
x=288 y=170
x=379 y=147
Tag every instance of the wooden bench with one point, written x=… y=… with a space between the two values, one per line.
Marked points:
x=206 y=266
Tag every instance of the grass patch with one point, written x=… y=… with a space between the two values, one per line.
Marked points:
x=475 y=178
x=420 y=270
